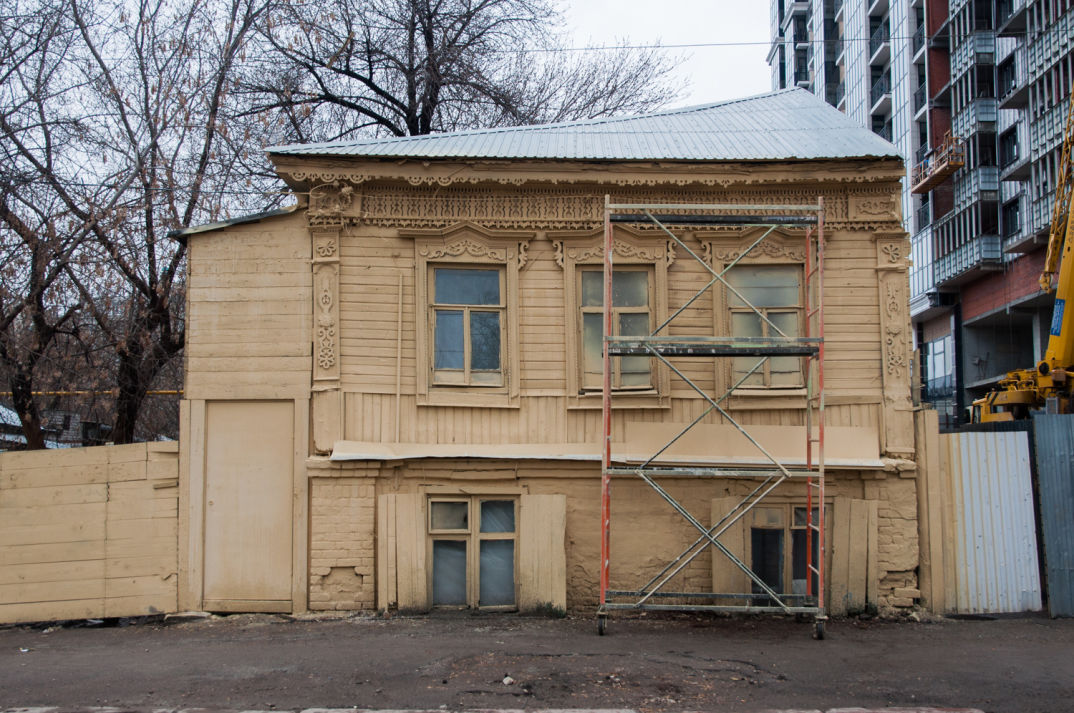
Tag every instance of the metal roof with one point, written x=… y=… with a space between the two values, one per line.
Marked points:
x=788 y=124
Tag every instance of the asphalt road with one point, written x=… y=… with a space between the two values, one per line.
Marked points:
x=510 y=662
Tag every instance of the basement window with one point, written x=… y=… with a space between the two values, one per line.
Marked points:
x=473 y=546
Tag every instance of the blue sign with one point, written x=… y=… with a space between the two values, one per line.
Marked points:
x=1057 y=317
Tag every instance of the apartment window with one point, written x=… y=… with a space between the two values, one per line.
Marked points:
x=768 y=303
x=468 y=315
x=631 y=317
x=473 y=545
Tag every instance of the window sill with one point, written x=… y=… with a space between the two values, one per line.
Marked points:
x=590 y=400
x=768 y=398
x=467 y=397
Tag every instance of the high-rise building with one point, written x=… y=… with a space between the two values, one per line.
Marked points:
x=973 y=93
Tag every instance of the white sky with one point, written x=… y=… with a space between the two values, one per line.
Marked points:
x=712 y=73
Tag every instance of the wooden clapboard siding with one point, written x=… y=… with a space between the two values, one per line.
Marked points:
x=248 y=311
x=88 y=532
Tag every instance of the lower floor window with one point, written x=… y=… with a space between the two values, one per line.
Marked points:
x=473 y=550
x=778 y=549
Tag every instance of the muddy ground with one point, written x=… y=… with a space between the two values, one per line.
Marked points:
x=264 y=662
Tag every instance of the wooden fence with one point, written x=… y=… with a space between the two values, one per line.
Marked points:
x=88 y=532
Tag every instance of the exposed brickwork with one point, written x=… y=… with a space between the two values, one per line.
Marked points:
x=897 y=539
x=342 y=546
x=1019 y=280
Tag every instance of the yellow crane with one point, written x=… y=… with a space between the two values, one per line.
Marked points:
x=1022 y=390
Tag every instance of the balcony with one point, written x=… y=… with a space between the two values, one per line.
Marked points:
x=880 y=45
x=801 y=78
x=1011 y=18
x=917 y=42
x=878 y=7
x=883 y=130
x=922 y=216
x=978 y=184
x=935 y=169
x=801 y=35
x=977 y=48
x=919 y=100
x=981 y=254
x=880 y=96
x=1014 y=95
x=1014 y=164
x=835 y=8
x=834 y=93
x=979 y=115
x=798 y=8
x=941 y=39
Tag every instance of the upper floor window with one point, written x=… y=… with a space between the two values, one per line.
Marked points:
x=466 y=316
x=631 y=317
x=768 y=303
x=468 y=310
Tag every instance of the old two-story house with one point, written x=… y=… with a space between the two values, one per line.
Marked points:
x=393 y=388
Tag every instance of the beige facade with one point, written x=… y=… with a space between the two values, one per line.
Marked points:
x=349 y=448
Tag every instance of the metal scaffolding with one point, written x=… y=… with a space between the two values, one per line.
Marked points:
x=766 y=478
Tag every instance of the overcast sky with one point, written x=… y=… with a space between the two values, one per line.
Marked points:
x=713 y=73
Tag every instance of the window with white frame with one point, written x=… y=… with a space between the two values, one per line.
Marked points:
x=473 y=546
x=631 y=317
x=468 y=310
x=766 y=302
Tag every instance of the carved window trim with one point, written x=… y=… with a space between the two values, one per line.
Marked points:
x=467 y=246
x=575 y=250
x=778 y=248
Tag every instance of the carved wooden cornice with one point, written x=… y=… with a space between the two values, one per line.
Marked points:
x=869 y=207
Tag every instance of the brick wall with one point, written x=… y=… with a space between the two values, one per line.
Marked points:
x=342 y=545
x=1019 y=280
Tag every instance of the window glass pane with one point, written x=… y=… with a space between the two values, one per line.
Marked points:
x=449 y=572
x=800 y=517
x=592 y=336
x=742 y=365
x=447 y=352
x=592 y=288
x=634 y=370
x=449 y=516
x=498 y=516
x=467 y=287
x=630 y=288
x=485 y=340
x=746 y=324
x=497 y=575
x=785 y=371
x=787 y=322
x=766 y=549
x=764 y=285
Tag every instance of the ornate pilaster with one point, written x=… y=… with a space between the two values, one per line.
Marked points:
x=325 y=217
x=895 y=345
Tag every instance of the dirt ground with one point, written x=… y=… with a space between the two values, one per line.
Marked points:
x=265 y=662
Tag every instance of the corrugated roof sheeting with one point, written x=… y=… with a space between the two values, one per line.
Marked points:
x=1054 y=435
x=789 y=124
x=996 y=566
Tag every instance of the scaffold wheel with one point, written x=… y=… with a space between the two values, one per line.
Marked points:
x=818 y=630
x=602 y=623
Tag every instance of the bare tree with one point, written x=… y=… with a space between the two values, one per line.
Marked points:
x=405 y=67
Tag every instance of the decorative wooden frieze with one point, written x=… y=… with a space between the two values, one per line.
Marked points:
x=463 y=246
x=768 y=248
x=330 y=203
x=895 y=345
x=595 y=253
x=567 y=208
x=875 y=207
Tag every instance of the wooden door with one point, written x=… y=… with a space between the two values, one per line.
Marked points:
x=249 y=473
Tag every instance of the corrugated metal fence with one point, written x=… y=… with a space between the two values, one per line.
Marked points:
x=1054 y=436
x=993 y=529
